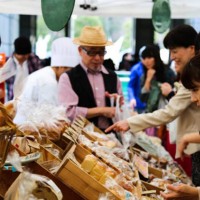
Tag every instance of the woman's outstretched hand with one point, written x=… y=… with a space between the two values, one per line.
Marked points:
x=120 y=126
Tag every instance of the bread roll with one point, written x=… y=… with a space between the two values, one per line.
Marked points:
x=89 y=162
x=109 y=173
x=10 y=107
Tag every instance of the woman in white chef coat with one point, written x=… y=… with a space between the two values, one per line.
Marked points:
x=41 y=86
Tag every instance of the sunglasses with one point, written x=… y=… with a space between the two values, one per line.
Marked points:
x=94 y=53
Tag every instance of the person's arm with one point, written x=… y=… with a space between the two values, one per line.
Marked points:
x=167 y=90
x=185 y=140
x=181 y=191
x=147 y=84
x=108 y=112
x=162 y=116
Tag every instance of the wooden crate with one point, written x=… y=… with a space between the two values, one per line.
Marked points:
x=151 y=187
x=73 y=176
x=37 y=168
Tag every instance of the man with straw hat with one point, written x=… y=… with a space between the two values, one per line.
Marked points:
x=86 y=89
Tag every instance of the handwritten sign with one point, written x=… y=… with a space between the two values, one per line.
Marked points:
x=141 y=165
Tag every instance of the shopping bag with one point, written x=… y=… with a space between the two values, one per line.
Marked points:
x=172 y=126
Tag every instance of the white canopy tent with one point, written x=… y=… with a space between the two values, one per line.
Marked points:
x=134 y=8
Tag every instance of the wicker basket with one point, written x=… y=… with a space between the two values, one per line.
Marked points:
x=7 y=130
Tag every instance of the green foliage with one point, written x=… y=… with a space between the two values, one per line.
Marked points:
x=82 y=21
x=42 y=29
x=114 y=27
x=128 y=34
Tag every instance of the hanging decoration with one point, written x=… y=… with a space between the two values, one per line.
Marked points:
x=89 y=5
x=161 y=15
x=56 y=13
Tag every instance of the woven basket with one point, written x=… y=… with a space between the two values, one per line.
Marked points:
x=7 y=130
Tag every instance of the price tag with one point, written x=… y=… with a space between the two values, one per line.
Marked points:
x=141 y=165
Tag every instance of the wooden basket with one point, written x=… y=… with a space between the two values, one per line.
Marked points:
x=7 y=130
x=75 y=177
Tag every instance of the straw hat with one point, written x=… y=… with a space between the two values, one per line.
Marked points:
x=92 y=36
x=64 y=53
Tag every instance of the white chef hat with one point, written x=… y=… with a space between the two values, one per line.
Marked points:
x=64 y=53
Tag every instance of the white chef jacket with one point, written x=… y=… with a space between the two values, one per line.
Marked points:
x=41 y=87
x=20 y=77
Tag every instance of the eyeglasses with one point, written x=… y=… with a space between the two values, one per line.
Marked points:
x=94 y=53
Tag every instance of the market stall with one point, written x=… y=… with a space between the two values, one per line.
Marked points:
x=85 y=163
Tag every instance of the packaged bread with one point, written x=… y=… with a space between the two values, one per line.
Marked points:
x=98 y=170
x=10 y=106
x=109 y=173
x=30 y=128
x=161 y=183
x=89 y=162
x=126 y=184
x=116 y=189
x=26 y=144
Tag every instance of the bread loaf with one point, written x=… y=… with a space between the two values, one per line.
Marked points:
x=98 y=170
x=89 y=162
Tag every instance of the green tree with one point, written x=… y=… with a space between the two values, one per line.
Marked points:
x=82 y=21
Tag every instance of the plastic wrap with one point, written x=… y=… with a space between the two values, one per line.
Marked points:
x=26 y=144
x=119 y=191
x=108 y=140
x=119 y=164
x=31 y=186
x=50 y=120
x=146 y=143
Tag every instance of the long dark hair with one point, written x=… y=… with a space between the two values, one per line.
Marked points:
x=190 y=75
x=153 y=51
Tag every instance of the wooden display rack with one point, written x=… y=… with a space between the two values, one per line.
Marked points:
x=73 y=176
x=37 y=168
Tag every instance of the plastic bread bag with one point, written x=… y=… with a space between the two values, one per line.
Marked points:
x=119 y=191
x=127 y=141
x=126 y=184
x=106 y=196
x=11 y=107
x=112 y=141
x=29 y=128
x=50 y=120
x=116 y=162
x=30 y=186
x=121 y=153
x=147 y=144
x=26 y=144
x=85 y=142
x=89 y=129
x=122 y=112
